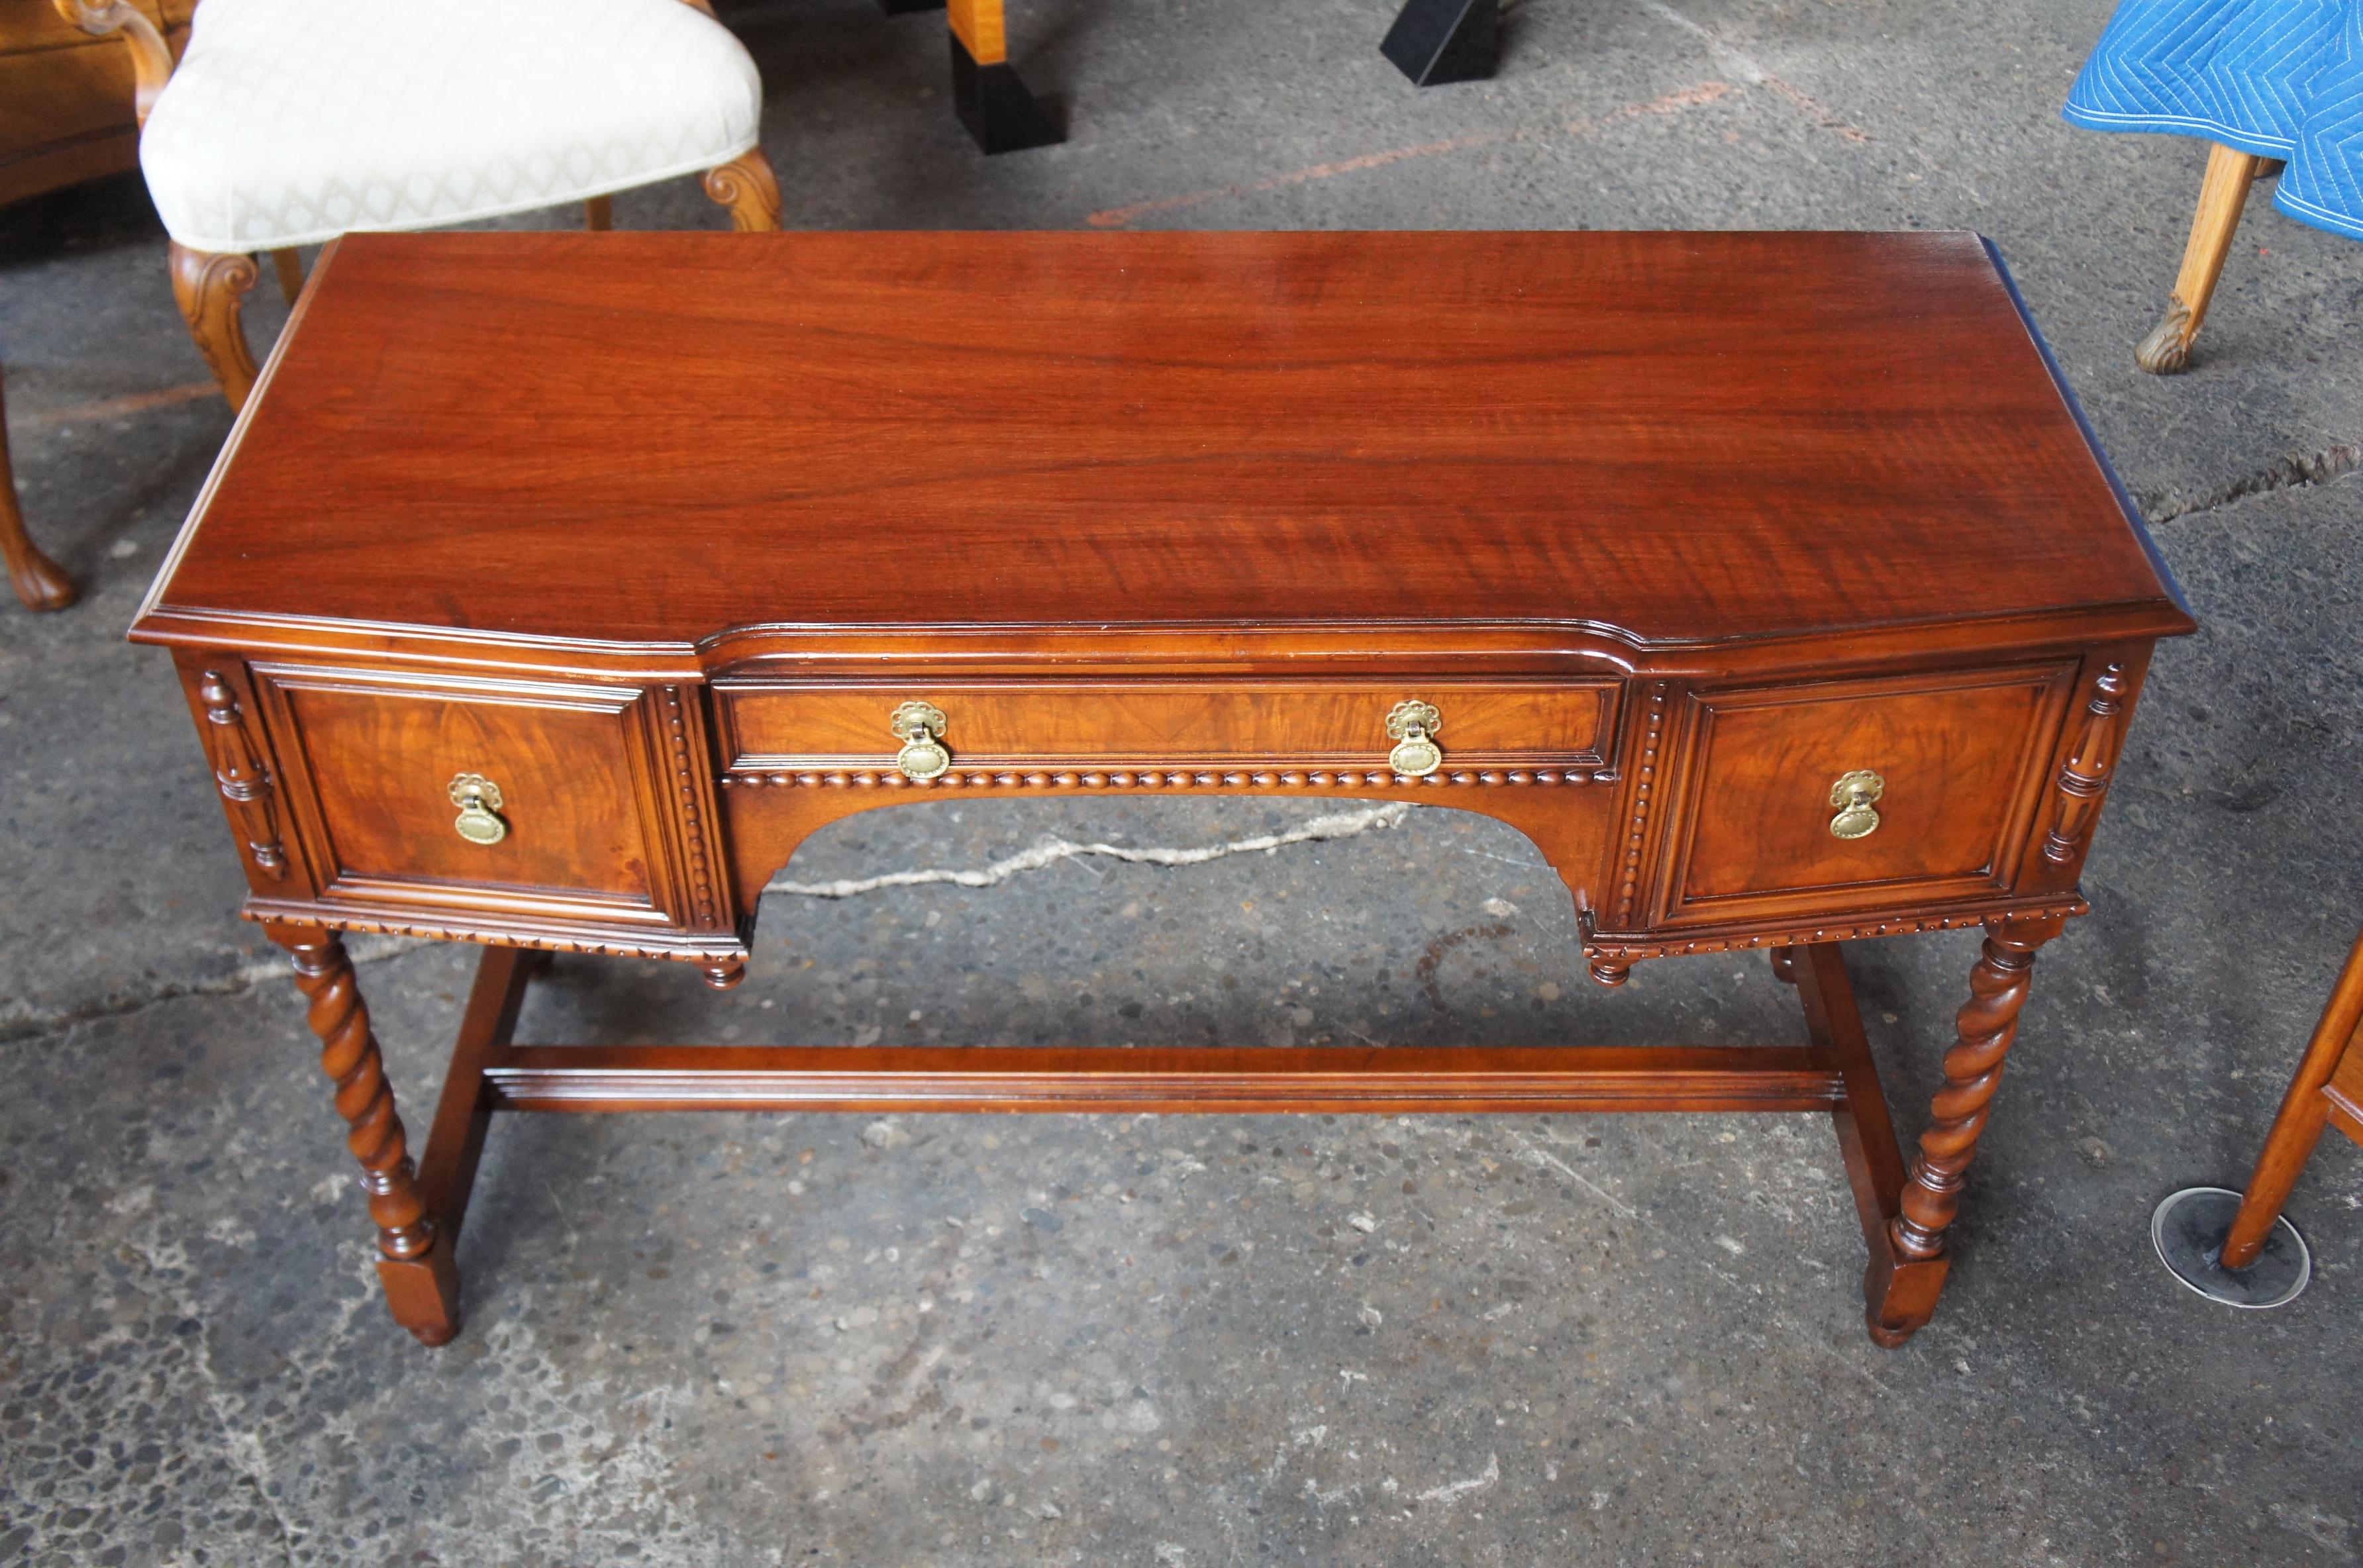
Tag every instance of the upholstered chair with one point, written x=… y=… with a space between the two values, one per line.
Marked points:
x=286 y=122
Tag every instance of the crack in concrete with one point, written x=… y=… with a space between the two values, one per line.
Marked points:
x=20 y=1021
x=2297 y=471
x=1051 y=851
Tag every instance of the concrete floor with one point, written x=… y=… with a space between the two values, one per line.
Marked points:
x=1193 y=1343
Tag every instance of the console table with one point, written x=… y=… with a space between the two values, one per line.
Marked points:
x=553 y=587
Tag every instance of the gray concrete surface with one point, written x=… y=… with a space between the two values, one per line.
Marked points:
x=1195 y=1343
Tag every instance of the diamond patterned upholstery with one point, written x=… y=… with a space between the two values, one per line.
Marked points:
x=289 y=122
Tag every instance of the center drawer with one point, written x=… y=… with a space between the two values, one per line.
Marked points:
x=1307 y=724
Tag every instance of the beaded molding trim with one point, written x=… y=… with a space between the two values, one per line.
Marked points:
x=1161 y=779
x=1610 y=948
x=597 y=949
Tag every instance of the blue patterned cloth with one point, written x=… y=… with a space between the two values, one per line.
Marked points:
x=2278 y=78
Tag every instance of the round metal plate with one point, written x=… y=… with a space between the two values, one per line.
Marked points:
x=2188 y=1229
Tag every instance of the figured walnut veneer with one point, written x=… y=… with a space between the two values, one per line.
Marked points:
x=654 y=533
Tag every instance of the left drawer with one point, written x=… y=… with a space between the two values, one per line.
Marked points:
x=541 y=802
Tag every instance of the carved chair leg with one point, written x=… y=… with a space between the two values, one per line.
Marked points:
x=290 y=267
x=1984 y=1030
x=421 y=1283
x=36 y=579
x=747 y=186
x=2302 y=1115
x=2221 y=196
x=211 y=289
x=599 y=214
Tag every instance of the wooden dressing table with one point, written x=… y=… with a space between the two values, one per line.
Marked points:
x=554 y=587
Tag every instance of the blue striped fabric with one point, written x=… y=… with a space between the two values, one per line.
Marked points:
x=2279 y=78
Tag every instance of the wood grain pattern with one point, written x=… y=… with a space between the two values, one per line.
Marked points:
x=1162 y=1079
x=1961 y=754
x=1597 y=434
x=1144 y=722
x=1669 y=554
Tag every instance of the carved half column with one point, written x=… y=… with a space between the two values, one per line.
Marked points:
x=238 y=771
x=2084 y=779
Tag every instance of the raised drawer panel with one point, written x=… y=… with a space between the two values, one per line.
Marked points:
x=1307 y=724
x=588 y=829
x=1959 y=758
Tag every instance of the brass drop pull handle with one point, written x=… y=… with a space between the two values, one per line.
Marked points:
x=479 y=800
x=1413 y=726
x=1852 y=795
x=920 y=727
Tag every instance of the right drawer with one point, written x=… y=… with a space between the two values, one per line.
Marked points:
x=1862 y=795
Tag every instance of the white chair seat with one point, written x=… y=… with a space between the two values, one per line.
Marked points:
x=290 y=122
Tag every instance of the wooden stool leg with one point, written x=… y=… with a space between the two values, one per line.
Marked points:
x=994 y=105
x=290 y=267
x=421 y=1283
x=748 y=187
x=36 y=578
x=211 y=289
x=599 y=214
x=1983 y=1030
x=2222 y=194
x=2303 y=1111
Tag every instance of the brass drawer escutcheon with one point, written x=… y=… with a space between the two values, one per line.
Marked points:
x=1853 y=794
x=1412 y=726
x=479 y=799
x=920 y=727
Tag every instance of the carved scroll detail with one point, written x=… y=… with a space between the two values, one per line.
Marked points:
x=349 y=1055
x=1984 y=1028
x=244 y=782
x=211 y=290
x=2084 y=777
x=701 y=874
x=748 y=188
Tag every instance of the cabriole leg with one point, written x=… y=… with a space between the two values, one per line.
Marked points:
x=37 y=581
x=1901 y=1302
x=211 y=290
x=748 y=187
x=2222 y=194
x=421 y=1286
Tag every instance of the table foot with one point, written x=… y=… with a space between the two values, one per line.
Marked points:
x=997 y=107
x=1437 y=41
x=424 y=1295
x=1900 y=1296
x=2189 y=1229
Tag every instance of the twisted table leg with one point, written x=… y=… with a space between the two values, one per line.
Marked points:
x=1903 y=1295
x=421 y=1284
